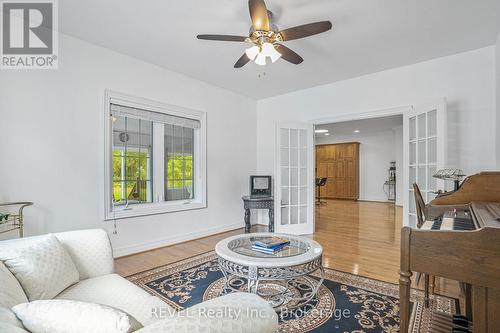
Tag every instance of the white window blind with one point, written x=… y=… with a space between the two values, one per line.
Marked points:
x=130 y=112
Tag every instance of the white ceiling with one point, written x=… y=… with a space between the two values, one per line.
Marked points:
x=368 y=36
x=364 y=126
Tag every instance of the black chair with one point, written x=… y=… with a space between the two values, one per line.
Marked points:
x=320 y=182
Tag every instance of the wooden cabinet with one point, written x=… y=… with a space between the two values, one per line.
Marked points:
x=340 y=164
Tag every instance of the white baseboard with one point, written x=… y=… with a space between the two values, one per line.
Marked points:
x=376 y=200
x=127 y=250
x=260 y=223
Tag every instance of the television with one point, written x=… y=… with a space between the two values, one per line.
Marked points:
x=260 y=186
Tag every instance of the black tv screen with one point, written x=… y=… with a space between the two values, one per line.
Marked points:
x=260 y=186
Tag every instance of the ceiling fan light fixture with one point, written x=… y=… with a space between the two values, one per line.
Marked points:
x=252 y=52
x=269 y=50
x=260 y=59
x=267 y=39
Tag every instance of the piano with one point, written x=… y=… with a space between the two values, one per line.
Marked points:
x=460 y=240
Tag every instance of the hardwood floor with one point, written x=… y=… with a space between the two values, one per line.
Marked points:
x=146 y=260
x=357 y=237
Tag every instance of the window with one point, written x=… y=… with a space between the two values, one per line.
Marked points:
x=155 y=157
x=179 y=162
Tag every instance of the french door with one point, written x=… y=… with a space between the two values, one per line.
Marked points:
x=424 y=131
x=294 y=173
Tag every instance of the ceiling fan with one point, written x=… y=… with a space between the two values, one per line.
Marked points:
x=267 y=39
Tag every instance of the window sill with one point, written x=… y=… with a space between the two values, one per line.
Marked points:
x=152 y=209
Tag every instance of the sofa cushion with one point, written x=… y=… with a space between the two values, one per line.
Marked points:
x=63 y=316
x=233 y=313
x=117 y=292
x=8 y=320
x=90 y=251
x=11 y=292
x=41 y=265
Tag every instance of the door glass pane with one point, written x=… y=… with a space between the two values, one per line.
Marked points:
x=422 y=151
x=411 y=200
x=285 y=156
x=413 y=176
x=294 y=198
x=285 y=176
x=303 y=196
x=422 y=178
x=431 y=180
x=303 y=214
x=432 y=123
x=284 y=215
x=303 y=177
x=413 y=128
x=294 y=157
x=413 y=221
x=303 y=138
x=294 y=215
x=285 y=200
x=432 y=154
x=421 y=126
x=303 y=157
x=294 y=138
x=413 y=153
x=294 y=176
x=284 y=137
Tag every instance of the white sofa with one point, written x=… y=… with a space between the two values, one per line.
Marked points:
x=91 y=252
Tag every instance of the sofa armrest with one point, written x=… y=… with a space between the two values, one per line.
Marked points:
x=233 y=313
x=90 y=250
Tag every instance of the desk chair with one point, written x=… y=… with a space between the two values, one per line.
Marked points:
x=320 y=182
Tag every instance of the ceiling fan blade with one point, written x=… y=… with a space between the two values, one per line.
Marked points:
x=242 y=61
x=258 y=13
x=223 y=38
x=306 y=30
x=289 y=55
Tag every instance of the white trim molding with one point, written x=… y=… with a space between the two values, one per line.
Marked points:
x=158 y=206
x=162 y=242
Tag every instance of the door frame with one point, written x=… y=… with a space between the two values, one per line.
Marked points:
x=399 y=110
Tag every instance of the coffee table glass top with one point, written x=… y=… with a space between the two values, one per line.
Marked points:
x=243 y=246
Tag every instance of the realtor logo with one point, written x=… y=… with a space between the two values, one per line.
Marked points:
x=29 y=34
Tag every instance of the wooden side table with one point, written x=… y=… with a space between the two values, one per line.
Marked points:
x=258 y=203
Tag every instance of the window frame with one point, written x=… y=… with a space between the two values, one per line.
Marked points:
x=158 y=206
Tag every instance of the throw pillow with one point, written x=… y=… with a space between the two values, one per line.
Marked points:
x=66 y=316
x=41 y=265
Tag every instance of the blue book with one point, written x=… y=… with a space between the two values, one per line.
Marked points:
x=263 y=251
x=267 y=249
x=270 y=242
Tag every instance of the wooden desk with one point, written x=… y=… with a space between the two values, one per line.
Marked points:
x=258 y=203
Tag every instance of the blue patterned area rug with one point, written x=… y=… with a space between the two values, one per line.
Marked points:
x=345 y=302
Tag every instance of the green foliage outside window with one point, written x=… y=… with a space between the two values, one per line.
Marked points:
x=180 y=171
x=134 y=178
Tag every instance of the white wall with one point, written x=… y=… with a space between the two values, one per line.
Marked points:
x=398 y=147
x=52 y=145
x=376 y=150
x=467 y=80
x=497 y=63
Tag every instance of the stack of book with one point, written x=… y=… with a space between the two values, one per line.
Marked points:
x=269 y=245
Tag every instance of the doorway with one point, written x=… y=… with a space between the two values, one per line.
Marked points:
x=360 y=160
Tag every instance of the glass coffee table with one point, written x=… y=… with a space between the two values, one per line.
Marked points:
x=282 y=278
